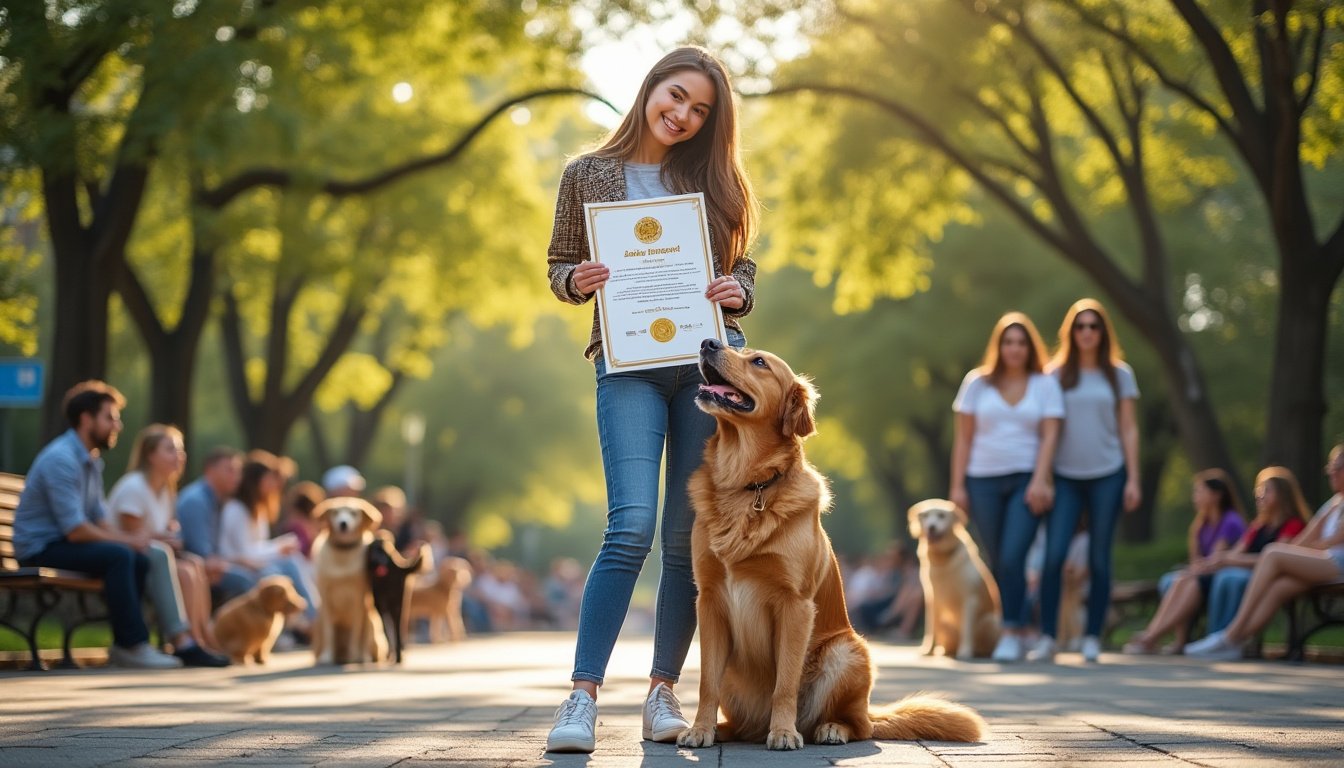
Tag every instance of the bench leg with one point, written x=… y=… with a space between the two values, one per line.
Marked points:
x=44 y=600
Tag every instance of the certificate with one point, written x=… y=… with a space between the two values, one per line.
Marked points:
x=653 y=308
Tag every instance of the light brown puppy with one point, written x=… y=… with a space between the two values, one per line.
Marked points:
x=440 y=601
x=349 y=630
x=962 y=615
x=777 y=652
x=246 y=626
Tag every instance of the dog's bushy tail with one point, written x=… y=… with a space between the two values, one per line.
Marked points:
x=928 y=717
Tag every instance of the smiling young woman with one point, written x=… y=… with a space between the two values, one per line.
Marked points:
x=680 y=137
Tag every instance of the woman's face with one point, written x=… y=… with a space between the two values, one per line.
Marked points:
x=1201 y=495
x=1087 y=330
x=1265 y=497
x=678 y=107
x=1014 y=349
x=269 y=484
x=169 y=457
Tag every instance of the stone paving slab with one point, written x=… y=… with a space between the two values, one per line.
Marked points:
x=489 y=701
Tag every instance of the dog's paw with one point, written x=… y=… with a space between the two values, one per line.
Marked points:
x=832 y=733
x=784 y=738
x=695 y=736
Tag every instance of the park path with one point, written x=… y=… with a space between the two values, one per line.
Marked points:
x=488 y=702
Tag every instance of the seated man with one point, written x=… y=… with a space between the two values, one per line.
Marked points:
x=198 y=513
x=58 y=523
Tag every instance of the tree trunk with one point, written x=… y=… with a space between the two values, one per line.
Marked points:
x=1293 y=433
x=79 y=344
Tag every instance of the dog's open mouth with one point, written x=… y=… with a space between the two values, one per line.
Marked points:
x=716 y=389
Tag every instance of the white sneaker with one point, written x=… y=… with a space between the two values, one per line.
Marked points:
x=1091 y=648
x=1043 y=650
x=663 y=720
x=1009 y=649
x=1215 y=647
x=575 y=725
x=142 y=656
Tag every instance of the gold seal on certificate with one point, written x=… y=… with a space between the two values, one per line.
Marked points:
x=653 y=309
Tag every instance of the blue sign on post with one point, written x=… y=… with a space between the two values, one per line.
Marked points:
x=21 y=381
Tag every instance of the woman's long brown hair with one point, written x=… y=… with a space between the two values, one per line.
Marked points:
x=991 y=367
x=709 y=162
x=1109 y=354
x=1220 y=483
x=1288 y=498
x=259 y=464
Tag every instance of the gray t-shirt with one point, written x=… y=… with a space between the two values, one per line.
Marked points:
x=1089 y=440
x=643 y=181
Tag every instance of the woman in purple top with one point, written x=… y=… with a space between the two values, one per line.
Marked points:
x=1218 y=526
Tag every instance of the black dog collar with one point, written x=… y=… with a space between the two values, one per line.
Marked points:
x=758 y=504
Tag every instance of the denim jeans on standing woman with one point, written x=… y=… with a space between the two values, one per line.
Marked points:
x=638 y=413
x=1103 y=497
x=1006 y=528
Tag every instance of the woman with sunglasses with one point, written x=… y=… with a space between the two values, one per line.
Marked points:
x=1096 y=465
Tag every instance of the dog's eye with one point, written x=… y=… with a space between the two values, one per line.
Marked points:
x=759 y=362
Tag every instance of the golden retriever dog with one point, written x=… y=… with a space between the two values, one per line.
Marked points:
x=777 y=652
x=962 y=615
x=349 y=630
x=246 y=626
x=440 y=601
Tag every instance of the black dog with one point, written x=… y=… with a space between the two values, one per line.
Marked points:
x=391 y=577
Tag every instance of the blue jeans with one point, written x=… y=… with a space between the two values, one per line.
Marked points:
x=638 y=413
x=1225 y=593
x=1006 y=528
x=1103 y=498
x=123 y=571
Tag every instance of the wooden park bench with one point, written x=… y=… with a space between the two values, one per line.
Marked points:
x=1317 y=608
x=46 y=586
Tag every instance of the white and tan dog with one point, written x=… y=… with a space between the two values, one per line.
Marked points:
x=961 y=601
x=349 y=630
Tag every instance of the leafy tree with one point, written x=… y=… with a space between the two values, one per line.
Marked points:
x=1091 y=122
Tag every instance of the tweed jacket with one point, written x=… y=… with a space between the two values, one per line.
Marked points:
x=594 y=179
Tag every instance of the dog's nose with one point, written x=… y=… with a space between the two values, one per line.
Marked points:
x=711 y=345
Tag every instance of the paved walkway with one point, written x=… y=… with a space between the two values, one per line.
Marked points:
x=488 y=702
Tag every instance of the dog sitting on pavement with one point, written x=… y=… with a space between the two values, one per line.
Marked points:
x=961 y=600
x=246 y=626
x=349 y=630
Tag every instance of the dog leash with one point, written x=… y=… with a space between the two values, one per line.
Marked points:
x=758 y=504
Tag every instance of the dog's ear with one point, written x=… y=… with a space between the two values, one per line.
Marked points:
x=322 y=513
x=799 y=407
x=425 y=562
x=372 y=517
x=916 y=527
x=959 y=513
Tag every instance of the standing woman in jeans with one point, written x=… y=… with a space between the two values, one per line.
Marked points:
x=680 y=137
x=1096 y=467
x=1007 y=423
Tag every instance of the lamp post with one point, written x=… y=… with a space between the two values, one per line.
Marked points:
x=413 y=432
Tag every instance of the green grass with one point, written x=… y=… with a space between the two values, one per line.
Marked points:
x=50 y=634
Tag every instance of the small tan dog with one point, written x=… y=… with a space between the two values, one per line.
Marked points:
x=349 y=630
x=777 y=652
x=246 y=626
x=962 y=615
x=440 y=601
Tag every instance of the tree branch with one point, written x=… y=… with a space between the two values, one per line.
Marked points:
x=138 y=304
x=223 y=194
x=1313 y=69
x=1226 y=71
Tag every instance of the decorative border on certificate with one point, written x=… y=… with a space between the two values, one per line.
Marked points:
x=653 y=311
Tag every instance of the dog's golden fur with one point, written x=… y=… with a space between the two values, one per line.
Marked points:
x=349 y=629
x=246 y=626
x=962 y=615
x=440 y=601
x=778 y=654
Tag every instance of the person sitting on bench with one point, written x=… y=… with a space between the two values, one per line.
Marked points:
x=62 y=521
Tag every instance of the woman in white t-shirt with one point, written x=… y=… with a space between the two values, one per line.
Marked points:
x=144 y=499
x=1096 y=466
x=1007 y=422
x=245 y=529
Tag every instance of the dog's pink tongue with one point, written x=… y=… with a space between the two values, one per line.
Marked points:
x=723 y=390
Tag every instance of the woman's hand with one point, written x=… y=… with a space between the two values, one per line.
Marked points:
x=959 y=497
x=1040 y=496
x=588 y=276
x=727 y=292
x=1133 y=495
